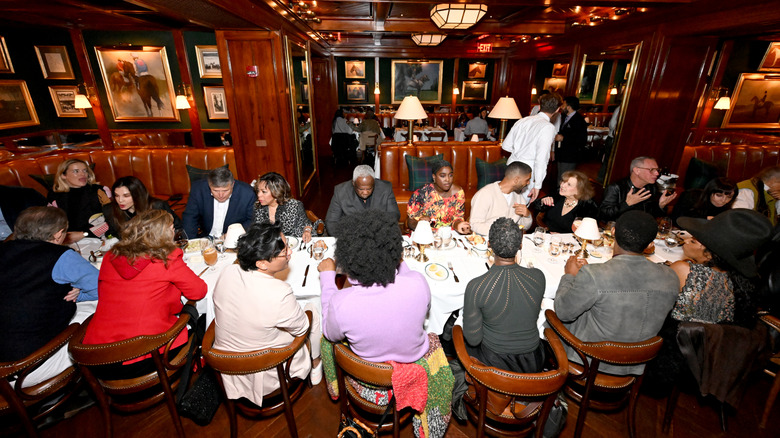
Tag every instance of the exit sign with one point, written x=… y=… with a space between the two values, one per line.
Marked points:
x=485 y=47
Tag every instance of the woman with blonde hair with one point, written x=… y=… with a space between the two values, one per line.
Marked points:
x=141 y=282
x=76 y=191
x=573 y=200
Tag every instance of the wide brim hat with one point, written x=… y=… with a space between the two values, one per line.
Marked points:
x=733 y=235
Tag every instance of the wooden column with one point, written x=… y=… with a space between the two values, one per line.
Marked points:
x=89 y=79
x=186 y=79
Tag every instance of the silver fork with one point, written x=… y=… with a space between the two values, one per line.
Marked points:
x=449 y=264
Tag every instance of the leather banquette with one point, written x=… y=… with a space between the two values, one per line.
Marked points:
x=735 y=161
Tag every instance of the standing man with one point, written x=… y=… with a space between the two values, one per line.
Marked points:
x=502 y=199
x=636 y=192
x=530 y=140
x=216 y=202
x=362 y=193
x=572 y=138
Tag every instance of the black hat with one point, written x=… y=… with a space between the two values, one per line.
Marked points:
x=733 y=235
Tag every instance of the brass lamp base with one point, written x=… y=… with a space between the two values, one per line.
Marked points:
x=410 y=134
x=583 y=251
x=422 y=258
x=501 y=132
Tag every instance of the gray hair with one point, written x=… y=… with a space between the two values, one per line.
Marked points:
x=361 y=171
x=638 y=162
x=220 y=177
x=40 y=223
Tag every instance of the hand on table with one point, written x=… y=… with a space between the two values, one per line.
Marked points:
x=573 y=265
x=327 y=265
x=73 y=236
x=72 y=295
x=306 y=238
x=635 y=196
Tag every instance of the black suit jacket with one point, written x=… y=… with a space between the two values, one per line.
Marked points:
x=345 y=202
x=615 y=201
x=198 y=216
x=575 y=138
x=15 y=199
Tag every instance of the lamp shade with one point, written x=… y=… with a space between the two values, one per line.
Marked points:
x=181 y=102
x=82 y=102
x=428 y=39
x=423 y=233
x=411 y=109
x=457 y=15
x=588 y=229
x=455 y=90
x=723 y=103
x=533 y=90
x=505 y=109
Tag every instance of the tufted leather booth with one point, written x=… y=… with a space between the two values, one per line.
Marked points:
x=162 y=170
x=461 y=154
x=736 y=161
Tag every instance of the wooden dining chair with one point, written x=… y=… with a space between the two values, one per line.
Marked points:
x=436 y=136
x=139 y=393
x=27 y=402
x=318 y=223
x=773 y=369
x=250 y=362
x=503 y=403
x=602 y=391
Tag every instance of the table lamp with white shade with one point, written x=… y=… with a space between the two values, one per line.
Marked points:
x=422 y=236
x=411 y=109
x=505 y=109
x=588 y=230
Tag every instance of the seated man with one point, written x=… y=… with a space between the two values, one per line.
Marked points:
x=42 y=282
x=477 y=125
x=625 y=299
x=364 y=192
x=761 y=193
x=12 y=201
x=636 y=192
x=502 y=199
x=217 y=202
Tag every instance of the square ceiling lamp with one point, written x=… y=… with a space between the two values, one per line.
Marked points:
x=457 y=15
x=428 y=39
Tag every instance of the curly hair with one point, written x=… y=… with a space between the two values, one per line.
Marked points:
x=60 y=185
x=148 y=234
x=261 y=242
x=439 y=164
x=634 y=230
x=369 y=247
x=277 y=185
x=505 y=238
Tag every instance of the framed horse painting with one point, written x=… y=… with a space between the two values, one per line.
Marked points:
x=756 y=102
x=138 y=84
x=421 y=79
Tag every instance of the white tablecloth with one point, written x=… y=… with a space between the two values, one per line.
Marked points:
x=460 y=135
x=422 y=134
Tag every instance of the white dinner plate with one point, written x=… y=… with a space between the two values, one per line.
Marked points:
x=436 y=271
x=292 y=242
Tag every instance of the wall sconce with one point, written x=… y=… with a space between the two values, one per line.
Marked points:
x=376 y=89
x=613 y=91
x=84 y=101
x=724 y=101
x=183 y=97
x=533 y=91
x=455 y=90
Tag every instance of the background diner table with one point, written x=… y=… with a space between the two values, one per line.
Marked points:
x=421 y=133
x=460 y=135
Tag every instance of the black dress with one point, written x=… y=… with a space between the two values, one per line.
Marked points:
x=154 y=204
x=82 y=205
x=558 y=223
x=686 y=206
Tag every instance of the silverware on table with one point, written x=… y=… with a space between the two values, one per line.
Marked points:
x=305 y=275
x=203 y=271
x=449 y=264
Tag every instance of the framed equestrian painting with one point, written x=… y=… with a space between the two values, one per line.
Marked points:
x=64 y=98
x=474 y=90
x=756 y=102
x=477 y=70
x=208 y=62
x=216 y=104
x=771 y=61
x=18 y=109
x=5 y=60
x=54 y=61
x=356 y=91
x=589 y=81
x=138 y=84
x=555 y=85
x=355 y=69
x=421 y=79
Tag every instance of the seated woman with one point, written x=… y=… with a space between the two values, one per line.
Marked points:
x=76 y=191
x=254 y=311
x=142 y=280
x=717 y=196
x=131 y=198
x=275 y=206
x=441 y=202
x=573 y=200
x=761 y=193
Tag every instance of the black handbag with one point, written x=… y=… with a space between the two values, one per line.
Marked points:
x=352 y=428
x=202 y=400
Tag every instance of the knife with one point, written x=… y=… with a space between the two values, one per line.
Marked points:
x=305 y=274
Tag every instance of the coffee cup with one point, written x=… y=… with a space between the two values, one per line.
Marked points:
x=446 y=235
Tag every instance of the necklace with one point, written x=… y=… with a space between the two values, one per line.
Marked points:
x=570 y=204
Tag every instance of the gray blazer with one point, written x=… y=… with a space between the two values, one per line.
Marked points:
x=625 y=299
x=346 y=202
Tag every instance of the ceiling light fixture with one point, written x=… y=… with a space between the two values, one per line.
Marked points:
x=428 y=39
x=457 y=15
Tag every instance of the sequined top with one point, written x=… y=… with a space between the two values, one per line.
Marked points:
x=707 y=297
x=426 y=202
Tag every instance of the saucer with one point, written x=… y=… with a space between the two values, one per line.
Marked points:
x=292 y=242
x=436 y=271
x=452 y=245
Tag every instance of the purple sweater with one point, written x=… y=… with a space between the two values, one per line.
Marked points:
x=380 y=323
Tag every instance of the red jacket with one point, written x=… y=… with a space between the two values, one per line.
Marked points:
x=141 y=299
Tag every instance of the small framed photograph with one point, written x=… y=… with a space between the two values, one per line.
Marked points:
x=305 y=91
x=756 y=102
x=589 y=81
x=18 y=109
x=54 y=61
x=355 y=69
x=5 y=59
x=555 y=85
x=560 y=70
x=474 y=90
x=216 y=104
x=304 y=69
x=356 y=92
x=477 y=70
x=64 y=98
x=208 y=62
x=771 y=61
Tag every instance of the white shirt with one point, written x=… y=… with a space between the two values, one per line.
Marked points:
x=220 y=211
x=746 y=199
x=529 y=141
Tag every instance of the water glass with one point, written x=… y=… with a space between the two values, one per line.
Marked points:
x=437 y=241
x=319 y=253
x=555 y=246
x=219 y=244
x=538 y=237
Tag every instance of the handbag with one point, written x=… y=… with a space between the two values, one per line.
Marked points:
x=352 y=428
x=202 y=400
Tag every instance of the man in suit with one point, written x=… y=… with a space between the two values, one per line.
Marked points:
x=12 y=201
x=217 y=202
x=362 y=193
x=572 y=136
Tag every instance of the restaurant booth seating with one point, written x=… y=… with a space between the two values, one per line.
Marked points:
x=735 y=161
x=461 y=154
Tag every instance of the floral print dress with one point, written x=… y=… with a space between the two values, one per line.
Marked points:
x=426 y=202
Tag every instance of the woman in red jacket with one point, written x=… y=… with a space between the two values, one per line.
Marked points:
x=140 y=286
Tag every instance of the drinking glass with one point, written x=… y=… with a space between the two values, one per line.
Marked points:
x=538 y=237
x=209 y=253
x=664 y=227
x=555 y=247
x=319 y=253
x=180 y=238
x=219 y=244
x=437 y=241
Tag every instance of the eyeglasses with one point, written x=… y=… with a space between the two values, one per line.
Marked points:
x=651 y=169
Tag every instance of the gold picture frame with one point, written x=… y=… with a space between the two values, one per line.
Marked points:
x=771 y=61
x=18 y=109
x=64 y=99
x=55 y=63
x=216 y=102
x=589 y=81
x=474 y=90
x=143 y=90
x=421 y=79
x=208 y=62
x=5 y=59
x=756 y=102
x=355 y=69
x=477 y=70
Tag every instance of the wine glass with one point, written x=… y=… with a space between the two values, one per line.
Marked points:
x=219 y=244
x=664 y=227
x=180 y=238
x=209 y=253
